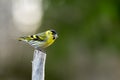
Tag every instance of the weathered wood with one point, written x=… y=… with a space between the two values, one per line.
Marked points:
x=38 y=65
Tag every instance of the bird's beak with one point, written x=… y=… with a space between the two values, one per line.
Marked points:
x=56 y=36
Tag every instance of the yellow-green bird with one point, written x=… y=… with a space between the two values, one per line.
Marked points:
x=40 y=40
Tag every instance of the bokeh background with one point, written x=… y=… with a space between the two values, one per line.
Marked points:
x=88 y=47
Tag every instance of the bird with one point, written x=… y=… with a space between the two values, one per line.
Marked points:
x=40 y=40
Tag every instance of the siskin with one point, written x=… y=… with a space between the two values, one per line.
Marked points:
x=40 y=40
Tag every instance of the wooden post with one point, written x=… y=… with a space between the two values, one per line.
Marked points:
x=38 y=65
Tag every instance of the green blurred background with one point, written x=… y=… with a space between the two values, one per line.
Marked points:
x=88 y=47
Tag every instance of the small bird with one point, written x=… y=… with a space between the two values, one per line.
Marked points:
x=40 y=40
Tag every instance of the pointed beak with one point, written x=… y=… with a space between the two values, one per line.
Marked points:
x=56 y=36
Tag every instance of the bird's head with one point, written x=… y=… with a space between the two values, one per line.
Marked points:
x=52 y=33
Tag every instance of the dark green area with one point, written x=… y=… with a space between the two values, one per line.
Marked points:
x=89 y=34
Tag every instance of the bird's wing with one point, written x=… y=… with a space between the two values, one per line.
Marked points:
x=35 y=37
x=41 y=36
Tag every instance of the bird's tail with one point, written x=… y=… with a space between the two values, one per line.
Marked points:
x=21 y=39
